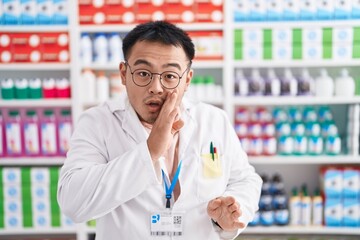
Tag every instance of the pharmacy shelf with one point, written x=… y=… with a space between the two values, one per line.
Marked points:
x=34 y=66
x=298 y=100
x=37 y=231
x=203 y=64
x=303 y=159
x=297 y=24
x=302 y=230
x=34 y=28
x=128 y=27
x=44 y=102
x=309 y=63
x=32 y=161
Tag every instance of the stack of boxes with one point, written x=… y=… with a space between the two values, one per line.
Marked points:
x=308 y=43
x=341 y=188
x=28 y=198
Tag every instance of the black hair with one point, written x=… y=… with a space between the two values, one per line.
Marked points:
x=162 y=32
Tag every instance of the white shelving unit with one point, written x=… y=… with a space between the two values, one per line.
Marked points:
x=297 y=168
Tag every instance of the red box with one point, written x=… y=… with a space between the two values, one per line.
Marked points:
x=209 y=13
x=5 y=47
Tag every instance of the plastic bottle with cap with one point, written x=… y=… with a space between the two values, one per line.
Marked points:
x=324 y=84
x=31 y=133
x=2 y=135
x=344 y=84
x=13 y=134
x=289 y=84
x=305 y=206
x=255 y=83
x=62 y=86
x=86 y=49
x=48 y=133
x=35 y=88
x=295 y=208
x=7 y=88
x=28 y=11
x=88 y=81
x=241 y=83
x=48 y=86
x=272 y=84
x=116 y=86
x=11 y=12
x=60 y=11
x=210 y=88
x=102 y=87
x=100 y=48
x=305 y=83
x=64 y=131
x=115 y=48
x=21 y=88
x=317 y=208
x=45 y=12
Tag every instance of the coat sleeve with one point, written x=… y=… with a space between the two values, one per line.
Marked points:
x=89 y=185
x=244 y=183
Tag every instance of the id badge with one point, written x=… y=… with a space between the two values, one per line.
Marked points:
x=166 y=223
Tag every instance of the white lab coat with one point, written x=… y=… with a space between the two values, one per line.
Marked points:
x=109 y=175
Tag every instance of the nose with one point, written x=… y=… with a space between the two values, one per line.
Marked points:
x=155 y=86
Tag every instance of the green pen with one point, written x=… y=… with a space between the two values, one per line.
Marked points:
x=212 y=151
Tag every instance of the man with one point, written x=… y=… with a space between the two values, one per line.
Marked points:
x=154 y=165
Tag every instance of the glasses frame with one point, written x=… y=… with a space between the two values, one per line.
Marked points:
x=154 y=73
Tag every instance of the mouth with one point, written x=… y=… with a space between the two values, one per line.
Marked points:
x=154 y=105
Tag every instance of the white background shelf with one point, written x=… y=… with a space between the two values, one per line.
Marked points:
x=34 y=28
x=40 y=231
x=34 y=66
x=45 y=102
x=32 y=161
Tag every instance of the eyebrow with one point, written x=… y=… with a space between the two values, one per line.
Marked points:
x=142 y=61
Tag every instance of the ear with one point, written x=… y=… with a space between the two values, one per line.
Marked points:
x=122 y=69
x=189 y=78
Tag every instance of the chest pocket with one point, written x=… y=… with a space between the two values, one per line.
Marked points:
x=211 y=179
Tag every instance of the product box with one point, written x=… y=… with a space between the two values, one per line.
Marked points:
x=13 y=221
x=41 y=213
x=342 y=51
x=55 y=47
x=208 y=12
x=333 y=212
x=282 y=51
x=355 y=10
x=343 y=35
x=45 y=12
x=12 y=191
x=325 y=9
x=281 y=35
x=60 y=11
x=351 y=212
x=274 y=10
x=333 y=182
x=1 y=13
x=5 y=48
x=11 y=12
x=253 y=35
x=312 y=51
x=28 y=11
x=178 y=13
x=291 y=9
x=312 y=35
x=342 y=9
x=11 y=175
x=351 y=183
x=257 y=10
x=252 y=51
x=308 y=9
x=40 y=175
x=208 y=44
x=241 y=10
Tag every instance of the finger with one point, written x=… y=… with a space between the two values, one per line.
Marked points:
x=233 y=207
x=235 y=215
x=238 y=224
x=229 y=200
x=214 y=204
x=177 y=126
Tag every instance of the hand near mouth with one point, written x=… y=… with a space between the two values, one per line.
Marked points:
x=166 y=125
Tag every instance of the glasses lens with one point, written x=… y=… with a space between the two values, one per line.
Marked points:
x=170 y=79
x=142 y=77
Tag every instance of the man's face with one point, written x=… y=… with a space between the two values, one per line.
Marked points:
x=156 y=58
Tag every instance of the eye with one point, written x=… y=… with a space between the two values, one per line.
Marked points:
x=170 y=76
x=143 y=74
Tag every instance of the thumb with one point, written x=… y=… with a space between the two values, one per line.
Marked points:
x=177 y=126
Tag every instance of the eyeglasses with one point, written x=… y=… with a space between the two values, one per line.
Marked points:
x=168 y=79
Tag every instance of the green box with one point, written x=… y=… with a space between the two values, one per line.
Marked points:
x=238 y=54
x=327 y=51
x=267 y=36
x=356 y=34
x=267 y=51
x=297 y=36
x=356 y=50
x=297 y=52
x=327 y=36
x=238 y=36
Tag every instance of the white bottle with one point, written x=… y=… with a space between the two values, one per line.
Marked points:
x=324 y=84
x=256 y=83
x=344 y=84
x=86 y=49
x=88 y=85
x=272 y=83
x=305 y=83
x=289 y=85
x=241 y=83
x=100 y=48
x=102 y=87
x=115 y=48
